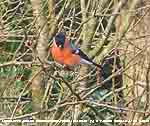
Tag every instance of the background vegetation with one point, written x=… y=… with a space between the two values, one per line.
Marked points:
x=114 y=33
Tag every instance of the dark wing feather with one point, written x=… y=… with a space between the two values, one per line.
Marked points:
x=84 y=56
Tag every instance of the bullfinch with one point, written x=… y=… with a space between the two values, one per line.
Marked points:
x=63 y=52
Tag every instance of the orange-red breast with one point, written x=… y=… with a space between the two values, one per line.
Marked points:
x=64 y=53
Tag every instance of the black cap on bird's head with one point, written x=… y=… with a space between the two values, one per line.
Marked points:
x=60 y=39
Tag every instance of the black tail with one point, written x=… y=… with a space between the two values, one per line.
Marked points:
x=96 y=64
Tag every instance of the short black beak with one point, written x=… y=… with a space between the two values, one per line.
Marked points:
x=60 y=45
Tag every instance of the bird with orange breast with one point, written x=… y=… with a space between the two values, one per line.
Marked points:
x=65 y=54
